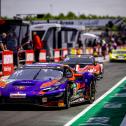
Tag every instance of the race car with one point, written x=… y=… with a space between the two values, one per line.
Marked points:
x=83 y=63
x=48 y=84
x=118 y=55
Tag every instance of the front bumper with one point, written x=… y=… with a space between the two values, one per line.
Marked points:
x=45 y=100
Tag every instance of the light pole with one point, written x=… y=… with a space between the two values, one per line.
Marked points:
x=0 y=8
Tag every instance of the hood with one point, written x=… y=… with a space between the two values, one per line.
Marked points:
x=26 y=86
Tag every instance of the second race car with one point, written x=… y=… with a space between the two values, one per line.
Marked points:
x=118 y=55
x=83 y=63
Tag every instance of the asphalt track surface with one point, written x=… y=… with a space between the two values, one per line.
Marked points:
x=25 y=115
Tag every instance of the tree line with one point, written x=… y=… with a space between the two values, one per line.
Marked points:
x=69 y=16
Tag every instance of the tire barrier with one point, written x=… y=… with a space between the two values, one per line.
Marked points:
x=42 y=56
x=56 y=55
x=29 y=56
x=7 y=65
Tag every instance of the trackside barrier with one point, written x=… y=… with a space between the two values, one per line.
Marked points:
x=76 y=51
x=89 y=50
x=80 y=51
x=73 y=51
x=64 y=52
x=56 y=55
x=29 y=56
x=7 y=63
x=42 y=56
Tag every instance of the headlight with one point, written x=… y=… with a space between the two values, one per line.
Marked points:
x=52 y=88
x=59 y=95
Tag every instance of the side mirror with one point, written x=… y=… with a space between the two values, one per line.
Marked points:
x=77 y=75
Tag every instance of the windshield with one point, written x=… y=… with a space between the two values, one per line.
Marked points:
x=119 y=52
x=78 y=61
x=80 y=65
x=36 y=74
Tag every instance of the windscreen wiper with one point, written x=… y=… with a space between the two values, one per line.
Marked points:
x=36 y=74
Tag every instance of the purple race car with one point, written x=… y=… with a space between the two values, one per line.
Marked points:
x=47 y=84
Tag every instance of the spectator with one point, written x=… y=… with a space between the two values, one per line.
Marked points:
x=12 y=41
x=104 y=48
x=3 y=42
x=12 y=45
x=25 y=44
x=1 y=45
x=37 y=46
x=110 y=47
x=114 y=45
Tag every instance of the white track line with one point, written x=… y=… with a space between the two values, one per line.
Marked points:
x=95 y=102
x=123 y=122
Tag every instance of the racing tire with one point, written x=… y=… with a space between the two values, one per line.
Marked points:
x=67 y=98
x=102 y=74
x=92 y=91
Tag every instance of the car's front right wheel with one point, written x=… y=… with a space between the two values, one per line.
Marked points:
x=67 y=98
x=92 y=91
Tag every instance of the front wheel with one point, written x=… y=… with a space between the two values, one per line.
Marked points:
x=91 y=92
x=67 y=98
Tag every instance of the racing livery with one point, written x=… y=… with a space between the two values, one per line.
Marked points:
x=118 y=55
x=85 y=62
x=48 y=84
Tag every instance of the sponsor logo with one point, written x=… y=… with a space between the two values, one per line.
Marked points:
x=20 y=87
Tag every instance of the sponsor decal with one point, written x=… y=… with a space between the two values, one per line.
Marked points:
x=21 y=87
